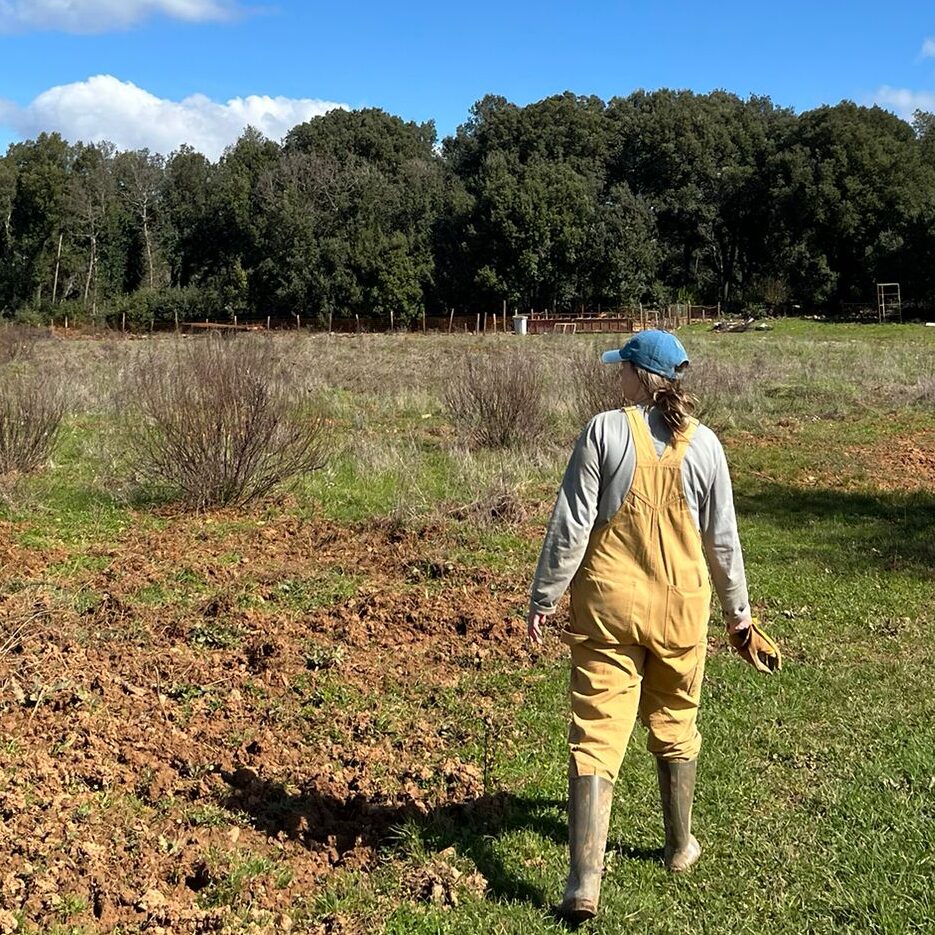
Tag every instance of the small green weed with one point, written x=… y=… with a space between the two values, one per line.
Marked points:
x=230 y=875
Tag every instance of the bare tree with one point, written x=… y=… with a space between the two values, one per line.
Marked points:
x=139 y=175
x=90 y=195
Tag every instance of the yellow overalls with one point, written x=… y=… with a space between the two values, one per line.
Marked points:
x=640 y=603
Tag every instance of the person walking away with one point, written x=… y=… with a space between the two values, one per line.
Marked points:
x=645 y=504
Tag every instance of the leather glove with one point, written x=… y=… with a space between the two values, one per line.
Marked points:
x=753 y=645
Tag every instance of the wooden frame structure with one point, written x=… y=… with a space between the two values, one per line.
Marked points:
x=889 y=301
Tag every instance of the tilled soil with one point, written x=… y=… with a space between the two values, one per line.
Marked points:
x=164 y=766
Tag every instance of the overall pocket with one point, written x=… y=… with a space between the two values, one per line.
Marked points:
x=687 y=615
x=603 y=610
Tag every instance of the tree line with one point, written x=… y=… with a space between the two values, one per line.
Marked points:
x=566 y=204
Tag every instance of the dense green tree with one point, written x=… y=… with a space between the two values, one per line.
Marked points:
x=35 y=217
x=543 y=218
x=361 y=192
x=186 y=203
x=567 y=203
x=850 y=187
x=702 y=164
x=371 y=135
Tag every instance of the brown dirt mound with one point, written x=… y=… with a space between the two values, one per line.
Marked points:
x=148 y=753
x=902 y=463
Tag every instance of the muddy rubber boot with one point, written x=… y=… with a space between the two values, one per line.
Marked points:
x=677 y=789
x=589 y=801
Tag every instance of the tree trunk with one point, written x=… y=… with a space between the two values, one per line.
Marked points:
x=58 y=263
x=149 y=247
x=91 y=261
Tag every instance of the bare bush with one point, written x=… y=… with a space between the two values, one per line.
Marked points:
x=221 y=421
x=497 y=401
x=31 y=411
x=597 y=386
x=18 y=342
x=923 y=391
x=500 y=501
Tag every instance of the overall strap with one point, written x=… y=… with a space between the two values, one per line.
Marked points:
x=675 y=450
x=642 y=439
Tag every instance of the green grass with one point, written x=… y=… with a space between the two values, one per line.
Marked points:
x=815 y=790
x=816 y=796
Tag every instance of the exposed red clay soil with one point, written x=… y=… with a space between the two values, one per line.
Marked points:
x=901 y=463
x=125 y=728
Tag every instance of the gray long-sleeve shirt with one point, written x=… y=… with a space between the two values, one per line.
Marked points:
x=597 y=480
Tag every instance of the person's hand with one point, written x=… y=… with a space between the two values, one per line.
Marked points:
x=754 y=645
x=739 y=625
x=534 y=627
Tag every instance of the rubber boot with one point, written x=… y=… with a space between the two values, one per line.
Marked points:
x=589 y=801
x=677 y=789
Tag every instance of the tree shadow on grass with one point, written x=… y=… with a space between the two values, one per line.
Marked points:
x=851 y=529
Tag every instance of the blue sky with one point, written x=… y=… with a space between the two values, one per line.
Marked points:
x=165 y=70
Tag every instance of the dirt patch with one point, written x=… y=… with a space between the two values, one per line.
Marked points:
x=900 y=463
x=164 y=765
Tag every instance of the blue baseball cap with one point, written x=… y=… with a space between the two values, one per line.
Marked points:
x=656 y=351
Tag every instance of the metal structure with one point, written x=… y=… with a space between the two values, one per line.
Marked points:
x=889 y=301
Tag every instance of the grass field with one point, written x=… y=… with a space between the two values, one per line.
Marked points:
x=320 y=714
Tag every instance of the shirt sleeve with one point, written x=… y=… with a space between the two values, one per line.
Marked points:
x=718 y=522
x=572 y=520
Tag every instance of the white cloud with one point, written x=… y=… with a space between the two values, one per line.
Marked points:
x=89 y=16
x=928 y=48
x=903 y=101
x=104 y=108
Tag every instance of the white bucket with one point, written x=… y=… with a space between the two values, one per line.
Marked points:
x=519 y=324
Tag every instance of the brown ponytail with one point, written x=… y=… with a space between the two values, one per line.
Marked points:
x=673 y=402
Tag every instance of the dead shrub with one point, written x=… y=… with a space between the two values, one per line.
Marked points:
x=497 y=401
x=923 y=391
x=31 y=411
x=18 y=342
x=597 y=386
x=501 y=502
x=220 y=421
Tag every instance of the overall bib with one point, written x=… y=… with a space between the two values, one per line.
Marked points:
x=640 y=604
